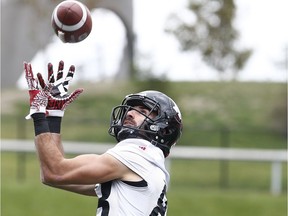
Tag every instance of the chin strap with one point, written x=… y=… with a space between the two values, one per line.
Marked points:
x=164 y=148
x=126 y=133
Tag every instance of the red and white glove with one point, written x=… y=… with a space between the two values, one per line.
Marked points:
x=59 y=98
x=38 y=98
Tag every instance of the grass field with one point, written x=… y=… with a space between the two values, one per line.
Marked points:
x=242 y=115
x=194 y=190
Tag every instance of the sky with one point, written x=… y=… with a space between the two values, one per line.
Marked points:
x=262 y=27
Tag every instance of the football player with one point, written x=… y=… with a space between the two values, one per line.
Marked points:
x=130 y=178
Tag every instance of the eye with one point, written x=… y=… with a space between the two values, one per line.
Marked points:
x=144 y=110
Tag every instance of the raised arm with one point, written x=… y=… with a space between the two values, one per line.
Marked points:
x=73 y=174
x=83 y=169
x=87 y=190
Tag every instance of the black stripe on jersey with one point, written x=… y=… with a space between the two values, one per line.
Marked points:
x=141 y=183
x=162 y=203
x=102 y=202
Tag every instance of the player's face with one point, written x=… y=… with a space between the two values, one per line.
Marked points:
x=135 y=118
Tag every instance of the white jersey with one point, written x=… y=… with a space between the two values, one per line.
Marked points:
x=147 y=197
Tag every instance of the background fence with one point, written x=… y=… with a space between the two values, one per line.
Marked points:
x=276 y=157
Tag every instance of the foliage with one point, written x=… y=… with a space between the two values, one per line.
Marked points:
x=212 y=34
x=234 y=114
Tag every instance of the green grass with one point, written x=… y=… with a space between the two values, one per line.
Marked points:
x=225 y=203
x=229 y=114
x=194 y=189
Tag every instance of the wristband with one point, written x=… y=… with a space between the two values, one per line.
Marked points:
x=54 y=123
x=40 y=123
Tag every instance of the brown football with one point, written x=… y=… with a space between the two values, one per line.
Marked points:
x=71 y=21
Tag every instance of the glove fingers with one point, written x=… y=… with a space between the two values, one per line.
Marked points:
x=60 y=70
x=72 y=97
x=31 y=82
x=47 y=89
x=69 y=77
x=51 y=78
x=41 y=80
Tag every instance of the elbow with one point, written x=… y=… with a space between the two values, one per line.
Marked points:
x=46 y=180
x=49 y=178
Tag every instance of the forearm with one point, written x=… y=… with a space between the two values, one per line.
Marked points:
x=58 y=142
x=47 y=131
x=55 y=130
x=87 y=190
x=61 y=172
x=49 y=153
x=48 y=145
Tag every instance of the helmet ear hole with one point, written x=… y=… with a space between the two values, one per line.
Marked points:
x=170 y=131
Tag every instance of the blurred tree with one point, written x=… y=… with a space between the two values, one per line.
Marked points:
x=211 y=32
x=278 y=117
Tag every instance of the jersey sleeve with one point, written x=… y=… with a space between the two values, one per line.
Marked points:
x=133 y=157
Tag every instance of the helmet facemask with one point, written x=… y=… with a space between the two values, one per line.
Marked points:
x=144 y=130
x=163 y=130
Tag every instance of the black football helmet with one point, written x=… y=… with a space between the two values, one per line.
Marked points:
x=162 y=131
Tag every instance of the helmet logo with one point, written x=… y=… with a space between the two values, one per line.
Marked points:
x=154 y=127
x=142 y=147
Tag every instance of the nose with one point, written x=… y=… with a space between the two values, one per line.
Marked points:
x=131 y=113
